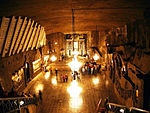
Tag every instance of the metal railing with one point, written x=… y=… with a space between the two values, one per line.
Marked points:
x=116 y=108
x=98 y=105
x=8 y=105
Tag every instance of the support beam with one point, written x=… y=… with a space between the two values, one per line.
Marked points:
x=24 y=36
x=18 y=26
x=32 y=37
x=36 y=37
x=3 y=31
x=40 y=38
x=20 y=35
x=9 y=36
x=28 y=37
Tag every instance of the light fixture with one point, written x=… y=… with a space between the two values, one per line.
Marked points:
x=39 y=87
x=95 y=81
x=26 y=65
x=123 y=69
x=53 y=58
x=54 y=81
x=74 y=90
x=21 y=103
x=96 y=57
x=122 y=110
x=75 y=64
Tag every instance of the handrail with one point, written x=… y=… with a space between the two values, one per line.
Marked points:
x=15 y=98
x=98 y=105
x=116 y=107
x=137 y=109
x=15 y=103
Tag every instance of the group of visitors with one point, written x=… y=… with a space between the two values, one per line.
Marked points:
x=91 y=68
x=76 y=75
x=64 y=78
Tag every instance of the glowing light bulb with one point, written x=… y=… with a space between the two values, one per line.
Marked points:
x=53 y=58
x=96 y=57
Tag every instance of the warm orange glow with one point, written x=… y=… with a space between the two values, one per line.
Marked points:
x=36 y=61
x=107 y=82
x=74 y=64
x=39 y=87
x=53 y=58
x=47 y=75
x=123 y=69
x=137 y=93
x=46 y=57
x=74 y=90
x=21 y=102
x=95 y=81
x=54 y=81
x=96 y=57
x=76 y=102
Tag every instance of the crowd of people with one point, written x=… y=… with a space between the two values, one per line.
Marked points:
x=76 y=76
x=91 y=68
x=64 y=78
x=87 y=68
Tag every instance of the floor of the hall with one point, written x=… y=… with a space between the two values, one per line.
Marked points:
x=57 y=98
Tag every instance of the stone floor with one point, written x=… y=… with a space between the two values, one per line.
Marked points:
x=56 y=98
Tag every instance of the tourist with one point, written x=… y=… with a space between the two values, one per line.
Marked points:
x=56 y=71
x=2 y=93
x=66 y=77
x=40 y=95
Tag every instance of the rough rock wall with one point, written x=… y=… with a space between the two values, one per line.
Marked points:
x=11 y=65
x=130 y=43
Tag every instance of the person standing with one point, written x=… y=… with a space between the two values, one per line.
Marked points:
x=66 y=77
x=40 y=95
x=91 y=70
x=83 y=70
x=78 y=76
x=50 y=70
x=61 y=78
x=56 y=71
x=2 y=93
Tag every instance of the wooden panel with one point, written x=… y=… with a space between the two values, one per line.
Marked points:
x=40 y=38
x=28 y=36
x=36 y=38
x=32 y=37
x=3 y=30
x=24 y=36
x=20 y=35
x=19 y=22
x=9 y=36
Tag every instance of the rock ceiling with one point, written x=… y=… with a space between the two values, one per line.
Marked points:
x=56 y=15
